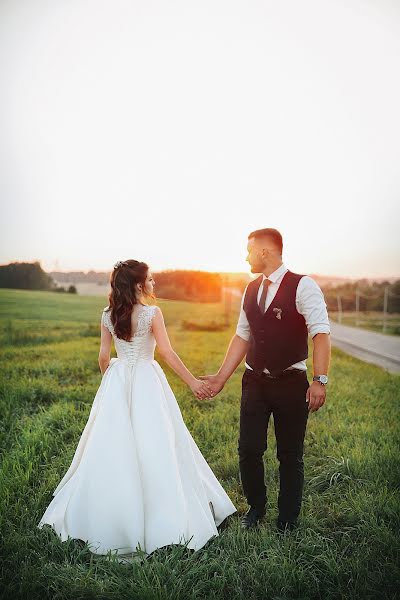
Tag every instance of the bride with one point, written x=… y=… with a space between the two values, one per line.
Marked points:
x=137 y=480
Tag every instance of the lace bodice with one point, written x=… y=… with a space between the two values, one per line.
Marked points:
x=142 y=344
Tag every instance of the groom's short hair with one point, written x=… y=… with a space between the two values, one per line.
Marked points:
x=271 y=234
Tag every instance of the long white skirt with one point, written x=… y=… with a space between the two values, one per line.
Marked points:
x=137 y=480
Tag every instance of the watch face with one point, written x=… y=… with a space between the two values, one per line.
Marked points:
x=323 y=378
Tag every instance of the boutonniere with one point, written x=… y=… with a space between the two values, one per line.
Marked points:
x=278 y=313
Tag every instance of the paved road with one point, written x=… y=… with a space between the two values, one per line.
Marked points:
x=376 y=348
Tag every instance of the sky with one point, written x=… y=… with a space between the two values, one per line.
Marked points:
x=168 y=131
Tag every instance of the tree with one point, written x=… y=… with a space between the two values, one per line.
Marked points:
x=27 y=276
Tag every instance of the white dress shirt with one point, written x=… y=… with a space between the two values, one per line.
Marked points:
x=309 y=302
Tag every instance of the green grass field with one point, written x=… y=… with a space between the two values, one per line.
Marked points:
x=346 y=547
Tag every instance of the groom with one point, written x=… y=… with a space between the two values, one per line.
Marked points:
x=279 y=310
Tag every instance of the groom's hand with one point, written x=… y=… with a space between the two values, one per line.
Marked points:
x=214 y=382
x=316 y=395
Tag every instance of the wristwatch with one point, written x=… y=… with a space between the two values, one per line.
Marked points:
x=321 y=379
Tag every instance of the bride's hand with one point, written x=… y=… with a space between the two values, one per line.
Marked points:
x=201 y=389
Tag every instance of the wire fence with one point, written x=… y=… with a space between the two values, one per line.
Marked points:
x=363 y=304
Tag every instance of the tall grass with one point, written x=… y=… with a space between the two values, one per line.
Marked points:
x=346 y=547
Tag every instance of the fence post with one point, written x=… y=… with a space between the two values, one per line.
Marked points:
x=385 y=308
x=357 y=307
x=339 y=306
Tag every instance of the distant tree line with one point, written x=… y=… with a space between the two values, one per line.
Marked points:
x=29 y=276
x=99 y=277
x=370 y=296
x=197 y=286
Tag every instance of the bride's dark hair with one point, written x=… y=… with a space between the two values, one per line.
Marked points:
x=122 y=297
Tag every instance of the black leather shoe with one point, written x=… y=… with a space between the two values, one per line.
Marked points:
x=252 y=518
x=285 y=526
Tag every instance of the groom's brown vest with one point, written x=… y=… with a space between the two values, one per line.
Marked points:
x=276 y=343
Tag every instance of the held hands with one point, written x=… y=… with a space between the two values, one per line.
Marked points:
x=316 y=395
x=215 y=383
x=201 y=389
x=207 y=386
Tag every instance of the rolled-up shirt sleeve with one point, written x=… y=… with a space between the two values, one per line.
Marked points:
x=243 y=327
x=311 y=304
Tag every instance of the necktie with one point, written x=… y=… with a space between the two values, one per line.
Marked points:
x=261 y=304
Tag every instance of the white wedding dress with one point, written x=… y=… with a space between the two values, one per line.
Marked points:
x=137 y=480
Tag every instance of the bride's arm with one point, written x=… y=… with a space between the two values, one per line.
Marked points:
x=105 y=348
x=172 y=359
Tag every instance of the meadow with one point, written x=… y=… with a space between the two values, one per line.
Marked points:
x=347 y=545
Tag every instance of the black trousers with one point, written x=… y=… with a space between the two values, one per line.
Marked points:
x=285 y=398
